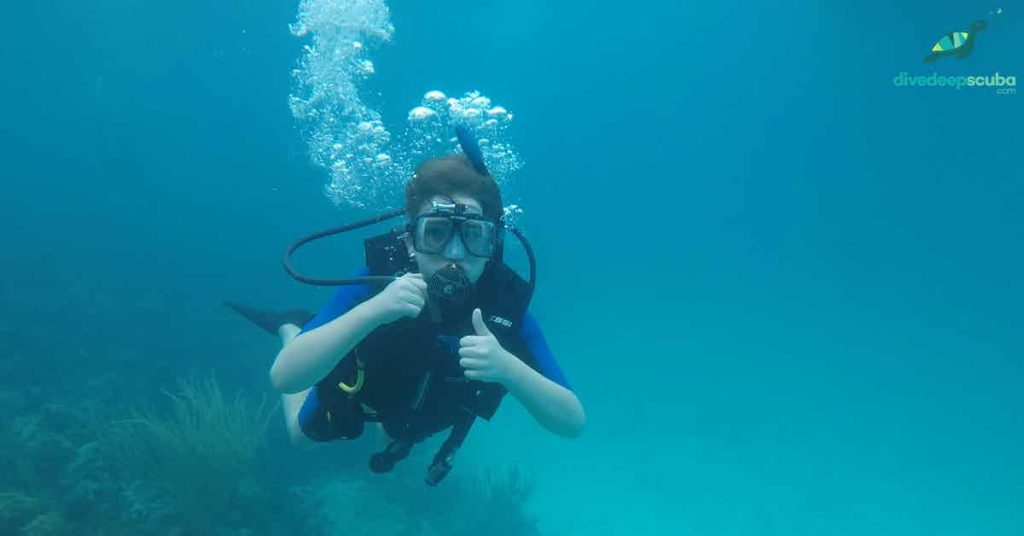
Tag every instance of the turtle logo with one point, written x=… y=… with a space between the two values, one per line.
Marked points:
x=957 y=44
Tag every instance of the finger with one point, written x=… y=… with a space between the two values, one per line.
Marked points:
x=470 y=363
x=478 y=323
x=419 y=287
x=471 y=340
x=414 y=298
x=470 y=351
x=414 y=285
x=412 y=311
x=474 y=375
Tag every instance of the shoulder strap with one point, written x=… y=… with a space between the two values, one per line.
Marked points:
x=386 y=254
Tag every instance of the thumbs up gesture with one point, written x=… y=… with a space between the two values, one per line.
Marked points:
x=483 y=358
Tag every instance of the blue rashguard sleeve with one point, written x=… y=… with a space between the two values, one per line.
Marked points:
x=538 y=346
x=343 y=300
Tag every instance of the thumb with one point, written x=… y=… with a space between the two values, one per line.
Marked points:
x=478 y=323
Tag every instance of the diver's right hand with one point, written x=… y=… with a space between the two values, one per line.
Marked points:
x=403 y=297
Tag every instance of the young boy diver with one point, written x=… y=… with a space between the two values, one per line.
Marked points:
x=433 y=349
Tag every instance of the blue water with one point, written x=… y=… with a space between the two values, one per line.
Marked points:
x=787 y=292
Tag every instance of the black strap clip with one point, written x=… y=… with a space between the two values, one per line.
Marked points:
x=442 y=464
x=384 y=461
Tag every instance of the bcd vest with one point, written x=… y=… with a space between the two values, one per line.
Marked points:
x=406 y=374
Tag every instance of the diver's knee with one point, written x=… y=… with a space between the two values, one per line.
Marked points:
x=299 y=439
x=287 y=332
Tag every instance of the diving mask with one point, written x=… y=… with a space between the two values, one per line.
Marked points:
x=432 y=232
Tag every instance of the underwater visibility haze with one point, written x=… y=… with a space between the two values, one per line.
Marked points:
x=777 y=259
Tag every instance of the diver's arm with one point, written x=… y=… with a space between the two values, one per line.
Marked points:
x=309 y=358
x=556 y=408
x=312 y=355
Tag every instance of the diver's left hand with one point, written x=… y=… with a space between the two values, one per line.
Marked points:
x=482 y=356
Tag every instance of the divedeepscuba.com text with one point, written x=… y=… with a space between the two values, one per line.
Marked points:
x=1003 y=85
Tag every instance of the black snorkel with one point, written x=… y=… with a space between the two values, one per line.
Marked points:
x=472 y=150
x=330 y=232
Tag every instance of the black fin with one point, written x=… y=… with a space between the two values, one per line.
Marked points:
x=269 y=321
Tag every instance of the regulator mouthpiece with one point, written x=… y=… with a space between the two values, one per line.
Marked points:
x=450 y=286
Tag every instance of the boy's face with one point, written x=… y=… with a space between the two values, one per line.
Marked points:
x=454 y=251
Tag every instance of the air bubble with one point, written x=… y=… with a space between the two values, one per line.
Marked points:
x=421 y=113
x=339 y=36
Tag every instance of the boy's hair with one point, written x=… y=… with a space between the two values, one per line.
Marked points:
x=450 y=175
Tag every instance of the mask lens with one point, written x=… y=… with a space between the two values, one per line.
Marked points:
x=432 y=234
x=479 y=237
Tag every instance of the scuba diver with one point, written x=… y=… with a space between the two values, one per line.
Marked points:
x=432 y=333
